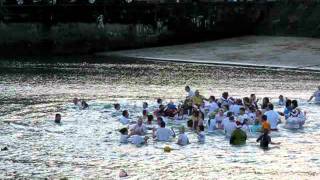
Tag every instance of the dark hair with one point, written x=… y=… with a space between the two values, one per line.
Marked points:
x=159 y=100
x=187 y=87
x=264 y=117
x=150 y=117
x=225 y=94
x=144 y=112
x=145 y=103
x=229 y=114
x=212 y=97
x=265 y=102
x=252 y=108
x=231 y=118
x=288 y=103
x=123 y=130
x=162 y=124
x=294 y=103
x=116 y=105
x=242 y=109
x=270 y=106
x=124 y=112
x=201 y=128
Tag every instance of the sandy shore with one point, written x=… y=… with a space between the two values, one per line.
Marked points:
x=259 y=51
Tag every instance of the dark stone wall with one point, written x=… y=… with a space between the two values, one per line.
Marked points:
x=26 y=31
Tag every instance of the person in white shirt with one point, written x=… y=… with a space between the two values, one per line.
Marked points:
x=242 y=115
x=145 y=107
x=139 y=128
x=225 y=121
x=281 y=101
x=163 y=133
x=189 y=91
x=252 y=115
x=245 y=127
x=216 y=123
x=138 y=140
x=124 y=119
x=225 y=100
x=183 y=138
x=230 y=126
x=76 y=102
x=124 y=135
x=213 y=105
x=235 y=108
x=273 y=117
x=201 y=134
x=117 y=110
x=316 y=95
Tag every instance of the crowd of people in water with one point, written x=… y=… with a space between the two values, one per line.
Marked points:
x=237 y=118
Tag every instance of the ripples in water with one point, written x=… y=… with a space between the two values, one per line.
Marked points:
x=86 y=144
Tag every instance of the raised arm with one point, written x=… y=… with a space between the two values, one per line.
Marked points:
x=310 y=98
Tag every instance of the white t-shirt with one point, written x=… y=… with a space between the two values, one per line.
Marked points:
x=183 y=139
x=235 y=109
x=224 y=101
x=124 y=120
x=163 y=134
x=139 y=129
x=201 y=137
x=124 y=138
x=317 y=96
x=243 y=117
x=225 y=121
x=137 y=140
x=281 y=102
x=212 y=126
x=252 y=117
x=229 y=128
x=214 y=123
x=273 y=118
x=213 y=106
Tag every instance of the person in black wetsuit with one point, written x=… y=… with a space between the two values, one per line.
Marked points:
x=265 y=140
x=57 y=118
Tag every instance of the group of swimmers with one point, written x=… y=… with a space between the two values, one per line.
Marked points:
x=236 y=118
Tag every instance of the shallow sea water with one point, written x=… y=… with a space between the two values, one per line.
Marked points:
x=86 y=145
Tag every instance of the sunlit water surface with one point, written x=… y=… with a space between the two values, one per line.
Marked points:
x=86 y=145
